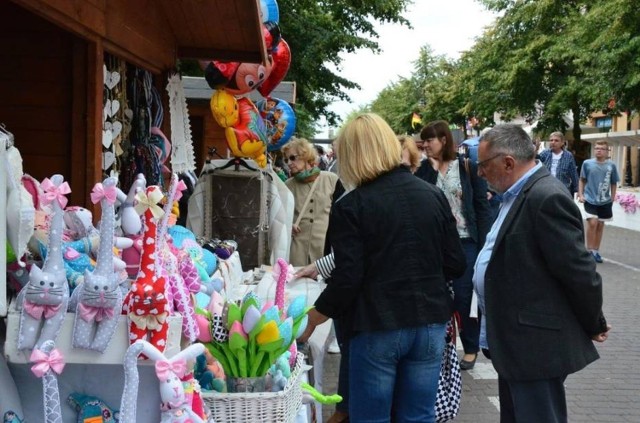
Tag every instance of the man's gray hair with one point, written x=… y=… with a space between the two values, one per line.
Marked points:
x=510 y=139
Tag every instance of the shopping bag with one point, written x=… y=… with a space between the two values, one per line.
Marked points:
x=450 y=381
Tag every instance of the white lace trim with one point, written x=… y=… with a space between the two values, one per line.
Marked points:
x=182 y=156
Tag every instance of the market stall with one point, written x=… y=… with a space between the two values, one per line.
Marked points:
x=91 y=101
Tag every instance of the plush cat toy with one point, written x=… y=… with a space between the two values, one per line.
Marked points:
x=178 y=269
x=47 y=363
x=43 y=301
x=99 y=298
x=146 y=302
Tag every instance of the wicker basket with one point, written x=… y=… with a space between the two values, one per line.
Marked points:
x=271 y=407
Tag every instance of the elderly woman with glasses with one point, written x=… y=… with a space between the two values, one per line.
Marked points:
x=312 y=191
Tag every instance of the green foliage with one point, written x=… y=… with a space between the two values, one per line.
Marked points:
x=427 y=92
x=533 y=58
x=317 y=33
x=541 y=59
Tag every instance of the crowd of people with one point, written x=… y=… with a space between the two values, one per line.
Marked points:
x=403 y=218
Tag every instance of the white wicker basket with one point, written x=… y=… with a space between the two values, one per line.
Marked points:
x=271 y=407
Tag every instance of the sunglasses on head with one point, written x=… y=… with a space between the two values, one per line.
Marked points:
x=290 y=158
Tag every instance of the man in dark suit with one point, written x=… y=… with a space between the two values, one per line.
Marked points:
x=537 y=283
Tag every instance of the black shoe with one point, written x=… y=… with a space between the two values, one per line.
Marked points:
x=468 y=365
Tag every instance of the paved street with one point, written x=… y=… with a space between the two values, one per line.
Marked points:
x=607 y=390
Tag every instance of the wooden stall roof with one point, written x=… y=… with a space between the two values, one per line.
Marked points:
x=154 y=33
x=217 y=29
x=196 y=88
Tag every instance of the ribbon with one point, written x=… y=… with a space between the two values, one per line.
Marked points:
x=179 y=188
x=100 y=191
x=45 y=362
x=91 y=313
x=146 y=202
x=164 y=369
x=39 y=310
x=51 y=192
x=149 y=321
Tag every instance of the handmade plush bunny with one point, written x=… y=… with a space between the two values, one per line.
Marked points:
x=99 y=298
x=175 y=405
x=131 y=225
x=43 y=301
x=146 y=302
x=130 y=221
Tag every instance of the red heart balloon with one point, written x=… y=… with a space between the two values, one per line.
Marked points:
x=281 y=62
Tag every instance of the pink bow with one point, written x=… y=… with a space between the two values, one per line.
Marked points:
x=91 y=313
x=45 y=362
x=51 y=192
x=179 y=188
x=164 y=369
x=100 y=191
x=38 y=310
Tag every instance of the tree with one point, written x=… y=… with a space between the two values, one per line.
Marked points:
x=396 y=104
x=611 y=57
x=426 y=93
x=317 y=33
x=536 y=69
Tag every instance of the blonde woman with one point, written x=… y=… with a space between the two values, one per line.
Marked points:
x=411 y=156
x=395 y=244
x=312 y=191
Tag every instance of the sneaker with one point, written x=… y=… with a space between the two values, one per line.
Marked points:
x=596 y=256
x=333 y=347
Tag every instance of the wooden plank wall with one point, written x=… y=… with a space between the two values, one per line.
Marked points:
x=36 y=94
x=206 y=132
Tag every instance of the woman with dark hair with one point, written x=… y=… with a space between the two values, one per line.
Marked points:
x=466 y=192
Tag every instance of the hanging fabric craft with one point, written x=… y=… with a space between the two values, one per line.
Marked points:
x=182 y=155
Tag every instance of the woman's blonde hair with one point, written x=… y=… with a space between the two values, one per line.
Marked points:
x=366 y=147
x=408 y=143
x=304 y=149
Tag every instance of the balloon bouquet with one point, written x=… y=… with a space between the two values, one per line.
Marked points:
x=251 y=131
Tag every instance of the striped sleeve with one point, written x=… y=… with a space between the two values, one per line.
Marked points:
x=326 y=265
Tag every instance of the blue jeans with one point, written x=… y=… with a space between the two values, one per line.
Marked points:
x=343 y=374
x=399 y=367
x=463 y=289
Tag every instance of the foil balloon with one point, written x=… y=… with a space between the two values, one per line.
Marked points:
x=245 y=130
x=269 y=11
x=236 y=78
x=271 y=34
x=224 y=108
x=279 y=119
x=218 y=74
x=281 y=61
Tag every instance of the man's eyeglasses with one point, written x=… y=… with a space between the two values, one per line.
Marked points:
x=290 y=158
x=483 y=163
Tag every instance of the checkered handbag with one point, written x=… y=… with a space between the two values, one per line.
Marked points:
x=450 y=381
